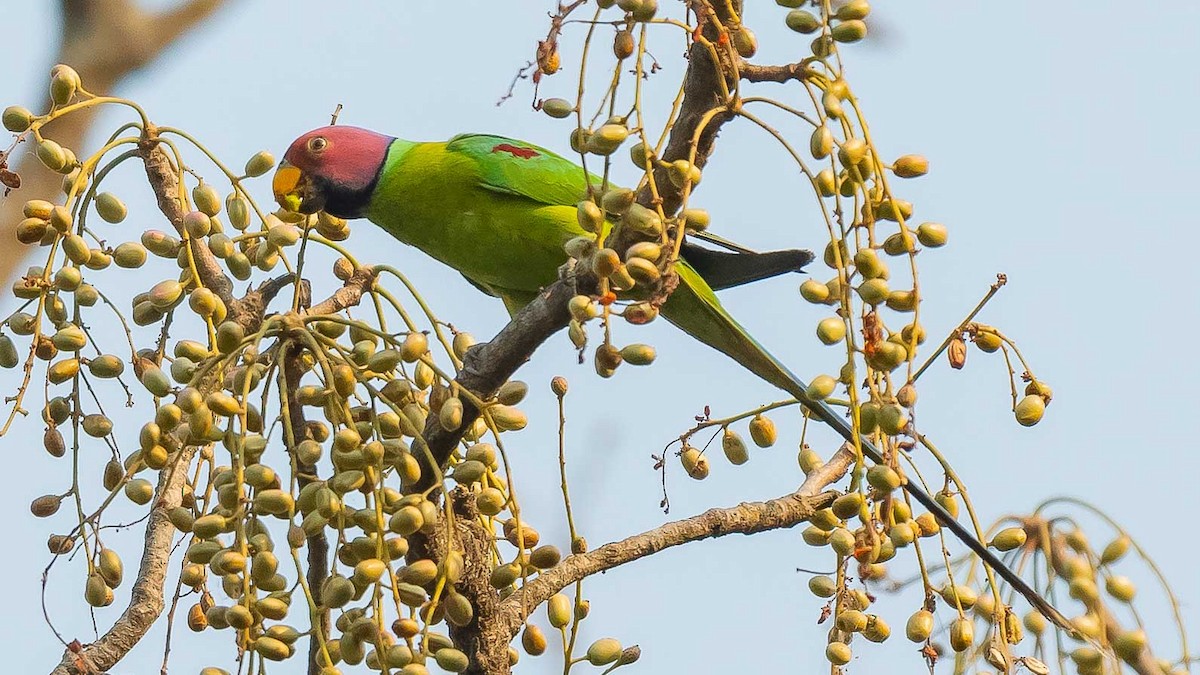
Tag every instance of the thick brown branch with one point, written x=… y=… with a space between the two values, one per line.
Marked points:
x=318 y=545
x=349 y=294
x=752 y=72
x=488 y=365
x=165 y=181
x=704 y=83
x=487 y=647
x=146 y=597
x=747 y=518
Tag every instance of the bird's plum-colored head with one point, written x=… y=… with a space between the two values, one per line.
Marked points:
x=332 y=169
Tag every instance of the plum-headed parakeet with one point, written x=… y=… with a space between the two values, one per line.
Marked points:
x=499 y=211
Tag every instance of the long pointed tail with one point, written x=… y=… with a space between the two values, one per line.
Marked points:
x=725 y=269
x=694 y=308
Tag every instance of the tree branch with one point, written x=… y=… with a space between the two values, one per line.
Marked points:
x=146 y=597
x=752 y=72
x=704 y=82
x=165 y=182
x=318 y=544
x=488 y=365
x=746 y=518
x=349 y=294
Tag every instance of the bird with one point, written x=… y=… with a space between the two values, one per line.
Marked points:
x=500 y=210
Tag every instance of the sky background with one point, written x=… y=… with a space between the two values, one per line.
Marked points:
x=1061 y=137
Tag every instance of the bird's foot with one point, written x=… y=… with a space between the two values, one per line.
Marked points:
x=566 y=272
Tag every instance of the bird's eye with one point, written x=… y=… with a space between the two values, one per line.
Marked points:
x=317 y=144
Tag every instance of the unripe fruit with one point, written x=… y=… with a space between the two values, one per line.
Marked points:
x=696 y=220
x=51 y=154
x=855 y=9
x=849 y=31
x=259 y=164
x=822 y=586
x=910 y=166
x=883 y=478
x=762 y=431
x=900 y=243
x=877 y=630
x=589 y=216
x=97 y=425
x=1029 y=410
x=841 y=541
x=831 y=330
x=533 y=640
x=826 y=182
x=1008 y=539
x=852 y=621
x=8 y=353
x=734 y=447
x=165 y=293
x=129 y=255
x=1115 y=550
x=414 y=346
x=809 y=460
x=557 y=107
x=874 y=291
x=603 y=651
x=1120 y=588
x=110 y=567
x=694 y=463
x=869 y=265
x=64 y=82
x=820 y=143
x=110 y=207
x=17 y=119
x=745 y=42
x=63 y=370
x=207 y=199
x=821 y=387
x=96 y=593
x=814 y=291
x=919 y=626
x=139 y=491
x=238 y=210
x=902 y=301
x=815 y=536
x=76 y=249
x=962 y=634
x=802 y=21
x=958 y=596
x=838 y=653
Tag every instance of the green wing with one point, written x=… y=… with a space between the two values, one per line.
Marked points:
x=512 y=167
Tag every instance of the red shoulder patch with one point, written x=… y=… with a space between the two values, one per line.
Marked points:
x=523 y=153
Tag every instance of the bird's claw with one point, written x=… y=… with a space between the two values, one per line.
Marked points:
x=566 y=272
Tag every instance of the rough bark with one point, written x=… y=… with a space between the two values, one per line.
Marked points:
x=747 y=518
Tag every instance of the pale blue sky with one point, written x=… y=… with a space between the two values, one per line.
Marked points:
x=1061 y=137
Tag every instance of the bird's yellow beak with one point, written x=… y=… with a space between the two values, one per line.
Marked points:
x=286 y=185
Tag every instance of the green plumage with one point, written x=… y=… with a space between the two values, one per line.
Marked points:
x=499 y=210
